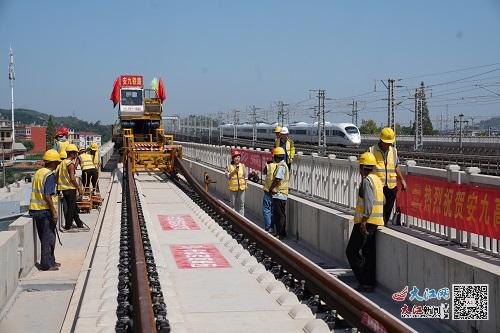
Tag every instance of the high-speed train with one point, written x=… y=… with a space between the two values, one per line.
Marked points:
x=339 y=134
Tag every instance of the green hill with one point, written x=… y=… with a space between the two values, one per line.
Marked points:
x=27 y=116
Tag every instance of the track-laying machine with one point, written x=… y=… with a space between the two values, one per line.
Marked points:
x=139 y=132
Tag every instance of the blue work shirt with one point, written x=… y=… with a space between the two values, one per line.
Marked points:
x=50 y=185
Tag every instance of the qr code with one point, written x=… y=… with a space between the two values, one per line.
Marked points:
x=469 y=302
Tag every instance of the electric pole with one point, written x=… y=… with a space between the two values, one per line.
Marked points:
x=236 y=120
x=281 y=113
x=211 y=124
x=12 y=77
x=321 y=122
x=220 y=117
x=419 y=126
x=354 y=113
x=447 y=120
x=390 y=105
x=254 y=124
x=460 y=122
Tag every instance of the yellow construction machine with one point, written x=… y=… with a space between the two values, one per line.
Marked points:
x=139 y=132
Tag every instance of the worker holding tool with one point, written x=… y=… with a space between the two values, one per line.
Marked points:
x=387 y=169
x=236 y=175
x=68 y=185
x=62 y=204
x=43 y=209
x=369 y=214
x=89 y=171
x=279 y=175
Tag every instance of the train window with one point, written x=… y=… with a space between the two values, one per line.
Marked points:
x=351 y=130
x=298 y=132
x=261 y=130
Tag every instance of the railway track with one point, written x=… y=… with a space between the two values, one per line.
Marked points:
x=141 y=306
x=489 y=165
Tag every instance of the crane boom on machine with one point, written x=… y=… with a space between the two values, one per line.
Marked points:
x=139 y=132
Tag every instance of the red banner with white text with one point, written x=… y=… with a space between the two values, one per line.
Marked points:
x=255 y=160
x=464 y=207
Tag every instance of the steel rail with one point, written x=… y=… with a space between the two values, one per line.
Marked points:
x=143 y=316
x=353 y=307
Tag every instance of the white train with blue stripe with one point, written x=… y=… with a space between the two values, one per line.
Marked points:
x=338 y=134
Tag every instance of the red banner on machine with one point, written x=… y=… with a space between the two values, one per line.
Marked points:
x=464 y=207
x=255 y=159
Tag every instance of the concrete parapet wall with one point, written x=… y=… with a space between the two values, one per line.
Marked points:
x=29 y=246
x=19 y=251
x=15 y=192
x=401 y=259
x=9 y=265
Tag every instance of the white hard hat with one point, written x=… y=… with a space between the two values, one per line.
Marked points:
x=284 y=130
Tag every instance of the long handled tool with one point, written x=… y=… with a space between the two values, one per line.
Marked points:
x=60 y=213
x=58 y=237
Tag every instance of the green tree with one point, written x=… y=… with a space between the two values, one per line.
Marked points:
x=402 y=130
x=28 y=144
x=51 y=132
x=368 y=127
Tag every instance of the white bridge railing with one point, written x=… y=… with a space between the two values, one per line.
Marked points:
x=336 y=181
x=105 y=151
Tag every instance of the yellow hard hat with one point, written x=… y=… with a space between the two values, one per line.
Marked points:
x=94 y=146
x=387 y=135
x=81 y=148
x=278 y=151
x=71 y=147
x=63 y=155
x=51 y=155
x=277 y=129
x=367 y=159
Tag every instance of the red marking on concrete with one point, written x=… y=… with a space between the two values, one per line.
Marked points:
x=198 y=256
x=177 y=222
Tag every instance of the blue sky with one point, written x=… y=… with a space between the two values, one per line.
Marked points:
x=218 y=55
